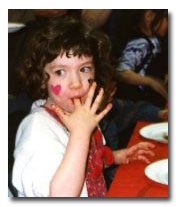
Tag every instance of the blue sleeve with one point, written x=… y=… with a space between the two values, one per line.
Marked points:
x=133 y=55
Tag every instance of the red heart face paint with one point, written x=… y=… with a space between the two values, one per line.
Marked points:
x=56 y=89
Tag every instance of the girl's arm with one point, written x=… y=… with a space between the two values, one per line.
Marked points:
x=70 y=175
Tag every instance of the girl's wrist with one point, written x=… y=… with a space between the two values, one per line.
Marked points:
x=116 y=156
x=119 y=156
x=80 y=134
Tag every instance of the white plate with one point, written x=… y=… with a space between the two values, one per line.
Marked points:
x=13 y=27
x=155 y=132
x=158 y=171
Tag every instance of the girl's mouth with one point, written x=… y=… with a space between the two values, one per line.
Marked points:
x=76 y=97
x=81 y=98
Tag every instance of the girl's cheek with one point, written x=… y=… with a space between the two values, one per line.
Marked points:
x=56 y=89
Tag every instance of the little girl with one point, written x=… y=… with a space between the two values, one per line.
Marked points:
x=60 y=150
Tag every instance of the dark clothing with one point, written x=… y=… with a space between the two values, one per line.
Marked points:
x=123 y=115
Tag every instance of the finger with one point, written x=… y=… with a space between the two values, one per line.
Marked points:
x=143 y=158
x=104 y=112
x=132 y=150
x=146 y=152
x=146 y=145
x=90 y=81
x=114 y=91
x=90 y=95
x=163 y=114
x=59 y=112
x=97 y=101
x=77 y=102
x=140 y=146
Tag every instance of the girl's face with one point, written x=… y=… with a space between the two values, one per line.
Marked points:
x=68 y=80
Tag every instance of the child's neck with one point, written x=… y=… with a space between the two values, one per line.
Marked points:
x=48 y=103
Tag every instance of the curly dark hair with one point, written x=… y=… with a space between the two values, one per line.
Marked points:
x=62 y=36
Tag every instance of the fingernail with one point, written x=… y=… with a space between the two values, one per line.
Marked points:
x=101 y=90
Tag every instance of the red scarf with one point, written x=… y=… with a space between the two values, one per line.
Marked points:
x=97 y=157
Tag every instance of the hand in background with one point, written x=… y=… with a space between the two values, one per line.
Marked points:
x=163 y=115
x=158 y=86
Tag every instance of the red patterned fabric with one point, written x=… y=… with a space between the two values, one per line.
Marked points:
x=97 y=157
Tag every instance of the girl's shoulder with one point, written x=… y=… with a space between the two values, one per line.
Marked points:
x=41 y=121
x=39 y=117
x=40 y=126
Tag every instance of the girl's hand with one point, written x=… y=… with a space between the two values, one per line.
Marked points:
x=84 y=118
x=136 y=152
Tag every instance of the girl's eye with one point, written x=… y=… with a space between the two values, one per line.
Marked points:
x=60 y=72
x=85 y=69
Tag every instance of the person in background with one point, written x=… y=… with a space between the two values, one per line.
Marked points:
x=59 y=148
x=135 y=36
x=136 y=67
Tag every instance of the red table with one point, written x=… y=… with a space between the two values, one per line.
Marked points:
x=131 y=181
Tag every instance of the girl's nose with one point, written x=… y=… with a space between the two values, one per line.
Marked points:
x=75 y=82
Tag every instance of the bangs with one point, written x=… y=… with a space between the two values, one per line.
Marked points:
x=72 y=43
x=76 y=50
x=76 y=43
